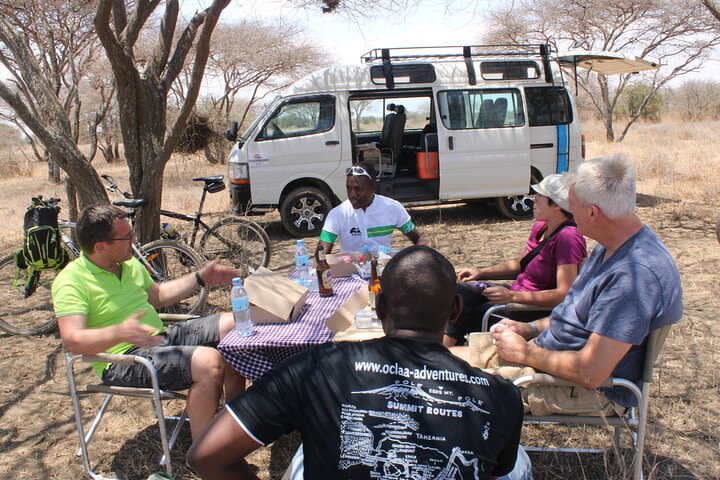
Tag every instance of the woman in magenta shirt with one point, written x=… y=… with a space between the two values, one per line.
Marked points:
x=543 y=276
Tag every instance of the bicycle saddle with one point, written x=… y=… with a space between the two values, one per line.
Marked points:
x=212 y=179
x=135 y=203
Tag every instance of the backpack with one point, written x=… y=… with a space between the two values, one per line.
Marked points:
x=41 y=248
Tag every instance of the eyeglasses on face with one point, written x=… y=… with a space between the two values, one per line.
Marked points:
x=357 y=171
x=130 y=236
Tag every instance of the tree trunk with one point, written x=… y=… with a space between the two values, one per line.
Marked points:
x=142 y=96
x=53 y=170
x=144 y=153
x=72 y=205
x=607 y=108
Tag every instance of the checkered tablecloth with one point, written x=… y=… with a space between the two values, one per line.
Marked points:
x=272 y=343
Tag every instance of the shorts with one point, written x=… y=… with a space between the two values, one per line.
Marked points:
x=540 y=399
x=171 y=358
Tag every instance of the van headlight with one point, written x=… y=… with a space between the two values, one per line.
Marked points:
x=239 y=171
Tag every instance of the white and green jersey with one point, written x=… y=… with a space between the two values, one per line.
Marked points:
x=372 y=226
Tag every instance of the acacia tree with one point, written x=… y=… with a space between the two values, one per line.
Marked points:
x=251 y=59
x=46 y=48
x=142 y=89
x=677 y=33
x=271 y=58
x=695 y=100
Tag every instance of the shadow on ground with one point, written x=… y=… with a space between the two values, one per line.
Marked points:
x=476 y=212
x=139 y=456
x=644 y=200
x=609 y=465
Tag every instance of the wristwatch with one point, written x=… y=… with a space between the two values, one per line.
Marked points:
x=201 y=282
x=534 y=329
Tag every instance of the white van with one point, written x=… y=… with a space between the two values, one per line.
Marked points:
x=441 y=124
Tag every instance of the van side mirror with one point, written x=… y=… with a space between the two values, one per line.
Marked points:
x=231 y=134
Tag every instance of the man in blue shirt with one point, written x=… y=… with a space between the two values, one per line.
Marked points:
x=628 y=287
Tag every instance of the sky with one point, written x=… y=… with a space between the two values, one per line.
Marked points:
x=433 y=23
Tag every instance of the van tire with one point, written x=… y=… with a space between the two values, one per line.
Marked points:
x=304 y=210
x=518 y=207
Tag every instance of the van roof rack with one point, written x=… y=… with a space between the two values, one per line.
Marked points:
x=457 y=52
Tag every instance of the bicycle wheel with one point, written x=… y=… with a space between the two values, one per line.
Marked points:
x=25 y=316
x=168 y=260
x=238 y=241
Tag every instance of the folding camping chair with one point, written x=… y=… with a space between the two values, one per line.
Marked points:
x=508 y=309
x=635 y=419
x=154 y=394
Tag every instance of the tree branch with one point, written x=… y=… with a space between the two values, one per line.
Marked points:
x=143 y=10
x=202 y=51
x=165 y=36
x=183 y=47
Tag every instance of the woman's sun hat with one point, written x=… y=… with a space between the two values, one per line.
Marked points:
x=555 y=188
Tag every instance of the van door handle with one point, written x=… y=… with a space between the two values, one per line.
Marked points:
x=332 y=142
x=451 y=143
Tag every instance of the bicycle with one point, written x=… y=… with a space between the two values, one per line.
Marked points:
x=30 y=312
x=238 y=241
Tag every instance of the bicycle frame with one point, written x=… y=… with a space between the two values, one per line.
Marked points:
x=195 y=219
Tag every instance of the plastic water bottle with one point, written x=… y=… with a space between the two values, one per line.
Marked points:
x=302 y=264
x=241 y=308
x=366 y=262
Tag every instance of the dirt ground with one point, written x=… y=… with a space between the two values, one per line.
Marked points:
x=37 y=431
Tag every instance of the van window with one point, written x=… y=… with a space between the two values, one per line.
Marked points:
x=510 y=70
x=487 y=108
x=299 y=117
x=415 y=73
x=548 y=106
x=367 y=114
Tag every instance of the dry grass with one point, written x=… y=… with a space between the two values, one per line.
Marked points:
x=678 y=196
x=14 y=164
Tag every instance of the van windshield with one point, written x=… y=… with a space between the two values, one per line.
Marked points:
x=248 y=131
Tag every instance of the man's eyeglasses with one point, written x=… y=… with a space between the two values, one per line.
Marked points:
x=131 y=236
x=357 y=171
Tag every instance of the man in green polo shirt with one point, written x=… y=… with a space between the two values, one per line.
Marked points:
x=105 y=301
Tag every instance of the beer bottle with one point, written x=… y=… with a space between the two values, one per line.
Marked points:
x=323 y=274
x=374 y=285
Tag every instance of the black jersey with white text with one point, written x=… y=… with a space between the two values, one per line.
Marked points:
x=390 y=408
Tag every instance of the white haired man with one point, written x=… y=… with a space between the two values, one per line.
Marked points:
x=628 y=287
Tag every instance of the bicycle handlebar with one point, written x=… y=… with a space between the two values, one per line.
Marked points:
x=112 y=186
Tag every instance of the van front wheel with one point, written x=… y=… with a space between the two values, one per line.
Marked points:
x=304 y=210
x=518 y=207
